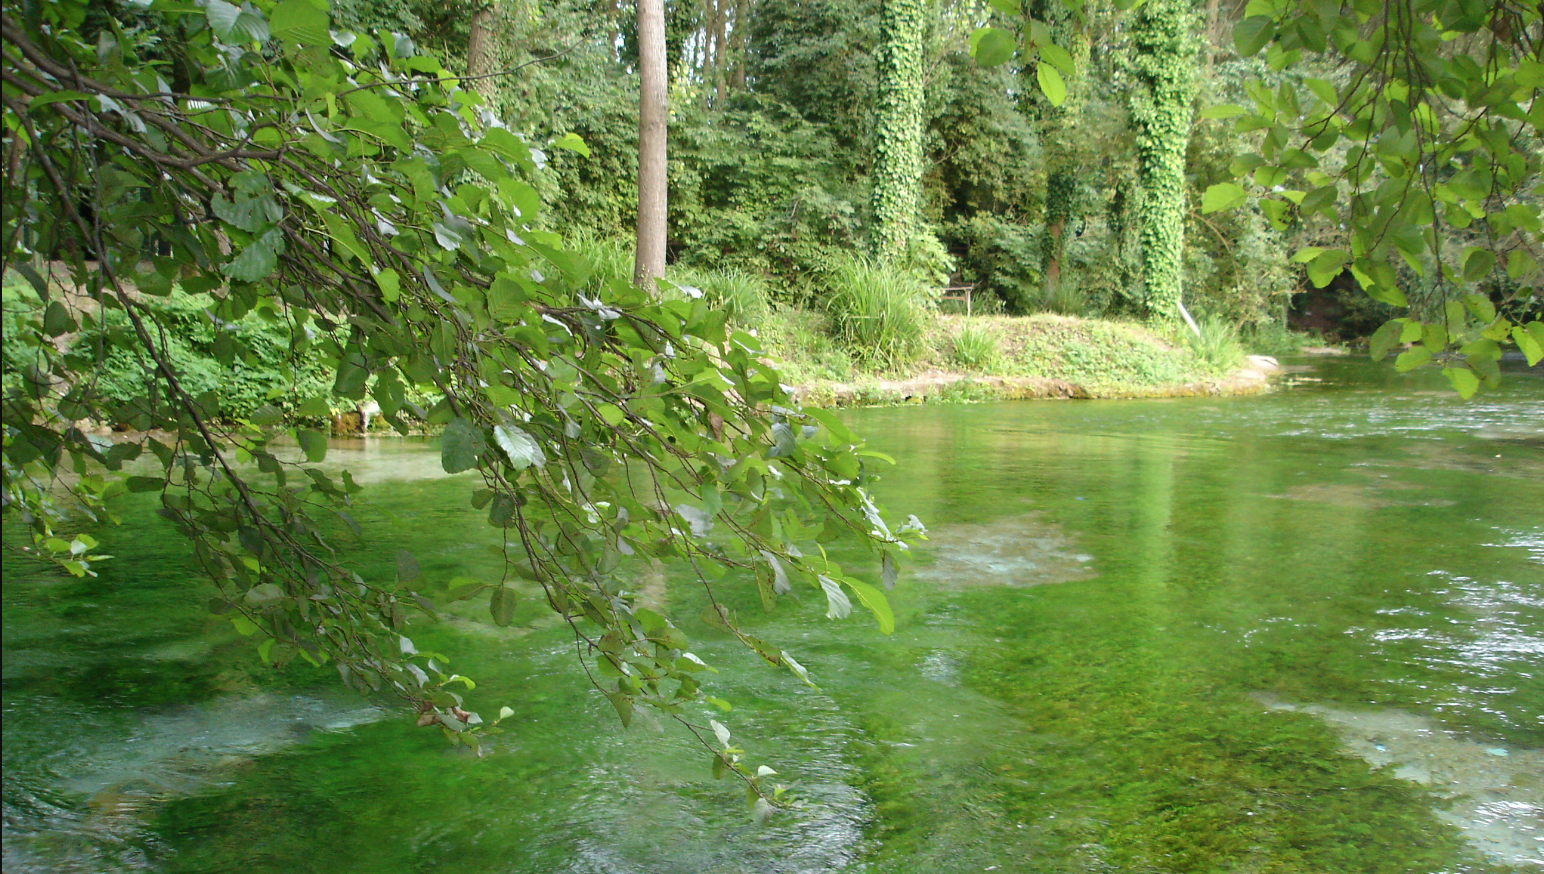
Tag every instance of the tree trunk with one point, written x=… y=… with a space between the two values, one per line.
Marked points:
x=1164 y=50
x=719 y=60
x=898 y=128
x=480 y=54
x=652 y=111
x=742 y=42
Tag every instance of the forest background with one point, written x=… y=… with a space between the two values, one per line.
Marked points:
x=774 y=132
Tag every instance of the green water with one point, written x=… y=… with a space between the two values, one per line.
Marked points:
x=1301 y=632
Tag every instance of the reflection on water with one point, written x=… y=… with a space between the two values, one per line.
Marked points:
x=1352 y=552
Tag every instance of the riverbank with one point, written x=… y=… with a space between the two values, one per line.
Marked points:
x=1044 y=356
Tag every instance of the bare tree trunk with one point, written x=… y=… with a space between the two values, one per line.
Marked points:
x=1213 y=41
x=720 y=58
x=480 y=49
x=652 y=111
x=742 y=41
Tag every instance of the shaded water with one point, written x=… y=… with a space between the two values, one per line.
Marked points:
x=1295 y=633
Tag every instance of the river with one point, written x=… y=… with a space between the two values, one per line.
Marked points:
x=1299 y=633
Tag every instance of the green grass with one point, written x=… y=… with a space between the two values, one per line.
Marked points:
x=879 y=313
x=1101 y=354
x=1217 y=347
x=743 y=295
x=610 y=259
x=976 y=347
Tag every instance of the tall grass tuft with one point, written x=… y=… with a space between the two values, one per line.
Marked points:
x=1065 y=298
x=1217 y=347
x=975 y=347
x=880 y=313
x=610 y=259
x=744 y=296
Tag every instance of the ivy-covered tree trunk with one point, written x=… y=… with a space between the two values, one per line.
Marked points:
x=1164 y=59
x=898 y=126
x=652 y=112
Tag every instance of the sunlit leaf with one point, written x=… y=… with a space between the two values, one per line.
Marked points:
x=992 y=46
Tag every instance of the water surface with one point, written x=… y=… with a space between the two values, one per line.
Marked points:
x=1301 y=632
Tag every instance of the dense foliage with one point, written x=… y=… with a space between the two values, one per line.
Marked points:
x=342 y=189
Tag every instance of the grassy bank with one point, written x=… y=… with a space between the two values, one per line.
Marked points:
x=866 y=333
x=960 y=358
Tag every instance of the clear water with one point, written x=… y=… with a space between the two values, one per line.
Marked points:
x=1301 y=632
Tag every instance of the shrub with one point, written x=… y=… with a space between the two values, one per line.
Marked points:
x=1064 y=298
x=610 y=259
x=204 y=356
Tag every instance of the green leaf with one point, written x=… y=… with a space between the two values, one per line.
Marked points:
x=258 y=258
x=462 y=588
x=1051 y=84
x=573 y=143
x=301 y=21
x=1384 y=338
x=314 y=408
x=624 y=706
x=56 y=320
x=263 y=595
x=1327 y=265
x=1224 y=110
x=1463 y=380
x=341 y=234
x=1481 y=306
x=520 y=448
x=461 y=446
x=1410 y=359
x=991 y=46
x=876 y=602
x=501 y=604
x=1251 y=34
x=231 y=23
x=837 y=604
x=389 y=283
x=312 y=443
x=267 y=414
x=1010 y=8
x=1322 y=90
x=1059 y=57
x=1477 y=263
x=1530 y=347
x=1223 y=195
x=407 y=567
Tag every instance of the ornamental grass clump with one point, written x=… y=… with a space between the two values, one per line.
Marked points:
x=879 y=312
x=610 y=259
x=1217 y=346
x=975 y=347
x=742 y=295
